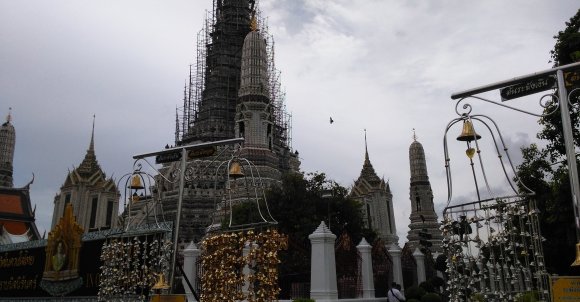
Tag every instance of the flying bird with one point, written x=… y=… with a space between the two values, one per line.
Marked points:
x=331 y=120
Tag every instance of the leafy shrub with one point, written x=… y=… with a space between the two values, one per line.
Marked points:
x=303 y=300
x=427 y=286
x=431 y=297
x=414 y=292
x=529 y=297
x=437 y=281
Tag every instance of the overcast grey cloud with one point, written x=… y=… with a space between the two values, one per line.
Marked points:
x=384 y=66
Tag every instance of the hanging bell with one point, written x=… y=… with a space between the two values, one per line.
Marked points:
x=236 y=170
x=136 y=183
x=161 y=283
x=468 y=134
x=577 y=261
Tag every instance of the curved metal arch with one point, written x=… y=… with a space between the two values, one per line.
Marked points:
x=543 y=101
x=570 y=95
x=248 y=168
x=448 y=161
x=483 y=119
x=140 y=166
x=147 y=180
x=505 y=150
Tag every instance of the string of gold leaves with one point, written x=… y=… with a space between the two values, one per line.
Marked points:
x=222 y=265
x=223 y=262
x=263 y=261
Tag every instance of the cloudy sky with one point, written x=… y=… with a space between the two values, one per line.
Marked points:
x=385 y=66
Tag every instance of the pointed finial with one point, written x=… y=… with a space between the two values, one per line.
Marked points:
x=9 y=116
x=92 y=145
x=414 y=135
x=366 y=149
x=253 y=22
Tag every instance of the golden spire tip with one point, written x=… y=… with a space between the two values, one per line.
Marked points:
x=253 y=22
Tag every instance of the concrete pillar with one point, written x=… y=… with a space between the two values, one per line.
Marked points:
x=190 y=255
x=420 y=260
x=368 y=283
x=323 y=265
x=395 y=252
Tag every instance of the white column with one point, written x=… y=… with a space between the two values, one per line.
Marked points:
x=395 y=252
x=420 y=260
x=190 y=255
x=368 y=283
x=323 y=265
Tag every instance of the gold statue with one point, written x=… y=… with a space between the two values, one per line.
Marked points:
x=59 y=258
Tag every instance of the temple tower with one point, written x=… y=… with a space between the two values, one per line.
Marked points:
x=423 y=217
x=94 y=197
x=377 y=200
x=233 y=91
x=17 y=216
x=212 y=117
x=7 y=143
x=254 y=112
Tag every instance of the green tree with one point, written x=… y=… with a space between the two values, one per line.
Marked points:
x=299 y=205
x=544 y=170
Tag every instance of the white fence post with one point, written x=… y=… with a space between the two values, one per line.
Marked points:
x=395 y=252
x=323 y=265
x=368 y=283
x=190 y=255
x=420 y=260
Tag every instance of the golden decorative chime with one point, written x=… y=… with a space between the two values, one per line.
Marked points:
x=577 y=261
x=468 y=135
x=235 y=170
x=161 y=284
x=135 y=185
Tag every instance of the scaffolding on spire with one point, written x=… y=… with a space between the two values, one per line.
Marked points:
x=199 y=121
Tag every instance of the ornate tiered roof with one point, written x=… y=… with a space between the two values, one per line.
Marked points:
x=89 y=171
x=17 y=216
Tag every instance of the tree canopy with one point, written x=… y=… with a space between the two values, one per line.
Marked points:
x=299 y=204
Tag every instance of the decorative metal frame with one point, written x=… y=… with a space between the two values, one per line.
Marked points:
x=493 y=245
x=254 y=189
x=182 y=177
x=149 y=190
x=515 y=218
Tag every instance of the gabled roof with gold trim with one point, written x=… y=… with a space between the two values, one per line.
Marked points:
x=369 y=181
x=89 y=172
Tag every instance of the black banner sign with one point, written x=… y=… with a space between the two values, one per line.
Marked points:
x=197 y=153
x=21 y=271
x=168 y=157
x=528 y=87
x=191 y=154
